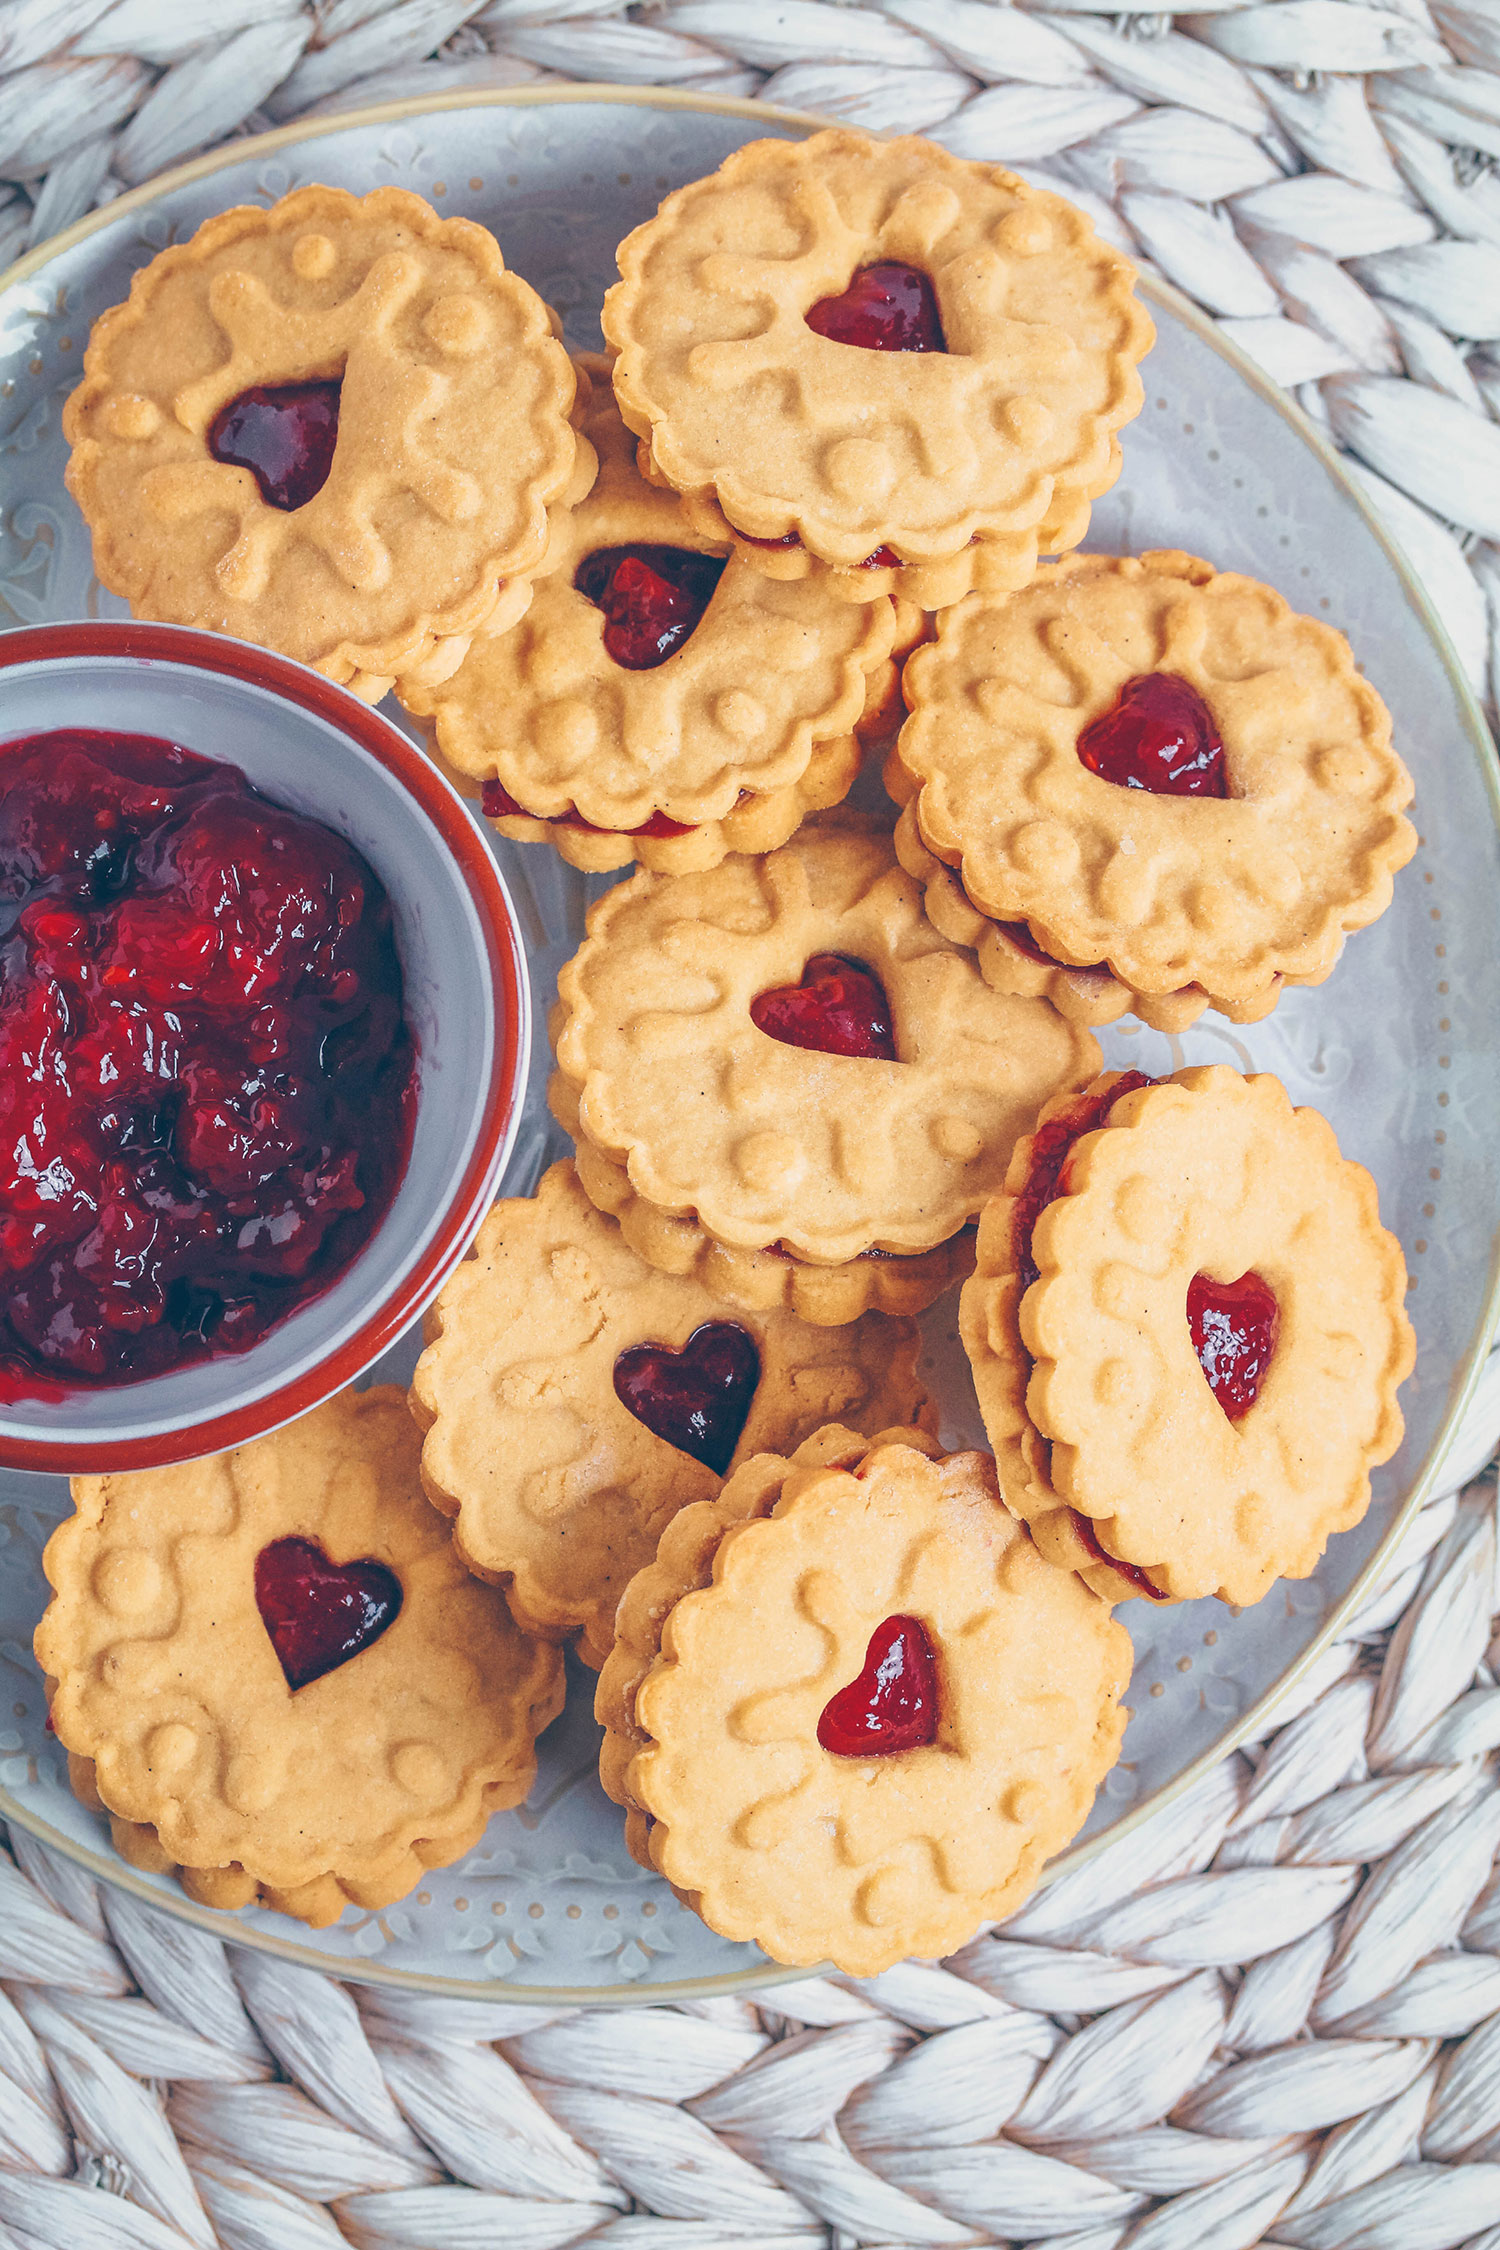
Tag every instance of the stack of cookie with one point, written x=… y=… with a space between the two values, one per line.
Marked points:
x=818 y=1066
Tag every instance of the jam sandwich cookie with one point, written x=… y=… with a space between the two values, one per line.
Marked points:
x=271 y=1670
x=851 y=1709
x=660 y=700
x=334 y=427
x=1187 y=1334
x=1158 y=769
x=574 y=1399
x=876 y=357
x=785 y=1052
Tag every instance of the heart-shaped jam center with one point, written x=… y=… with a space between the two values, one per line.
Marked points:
x=285 y=436
x=839 y=1008
x=1159 y=735
x=1233 y=1325
x=698 y=1399
x=320 y=1613
x=893 y=1705
x=653 y=598
x=887 y=307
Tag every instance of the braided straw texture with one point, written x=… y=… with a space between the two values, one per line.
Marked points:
x=1272 y=2012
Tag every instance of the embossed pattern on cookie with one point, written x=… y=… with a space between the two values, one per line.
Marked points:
x=788 y=1793
x=1236 y=894
x=574 y=1398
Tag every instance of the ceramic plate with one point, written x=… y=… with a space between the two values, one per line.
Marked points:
x=1399 y=1049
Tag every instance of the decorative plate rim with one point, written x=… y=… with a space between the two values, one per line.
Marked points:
x=1250 y=1722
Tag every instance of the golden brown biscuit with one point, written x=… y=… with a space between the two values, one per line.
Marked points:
x=677 y=1027
x=273 y=1673
x=1187 y=1335
x=942 y=438
x=850 y=1709
x=575 y=1398
x=1241 y=870
x=451 y=417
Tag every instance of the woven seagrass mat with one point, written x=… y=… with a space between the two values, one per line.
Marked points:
x=1272 y=2012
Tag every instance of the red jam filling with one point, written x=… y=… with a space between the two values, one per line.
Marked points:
x=887 y=307
x=284 y=436
x=1100 y=1553
x=320 y=1613
x=497 y=803
x=1233 y=1325
x=1159 y=736
x=698 y=1399
x=1021 y=938
x=653 y=599
x=207 y=1087
x=839 y=1008
x=893 y=1705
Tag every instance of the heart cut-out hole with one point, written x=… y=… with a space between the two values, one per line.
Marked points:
x=893 y=1705
x=1233 y=1325
x=1160 y=736
x=653 y=599
x=284 y=435
x=887 y=307
x=698 y=1399
x=839 y=1008
x=320 y=1613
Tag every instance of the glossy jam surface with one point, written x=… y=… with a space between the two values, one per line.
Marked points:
x=1159 y=736
x=1100 y=1553
x=839 y=1008
x=320 y=1613
x=1052 y=1145
x=887 y=307
x=699 y=1398
x=653 y=598
x=497 y=803
x=284 y=435
x=893 y=1705
x=1233 y=1325
x=207 y=1087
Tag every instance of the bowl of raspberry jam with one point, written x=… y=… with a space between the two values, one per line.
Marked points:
x=263 y=1038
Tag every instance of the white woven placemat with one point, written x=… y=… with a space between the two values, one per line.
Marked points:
x=1272 y=2013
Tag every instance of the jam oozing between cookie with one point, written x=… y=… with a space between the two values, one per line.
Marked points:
x=698 y=1399
x=1052 y=1144
x=320 y=1613
x=1233 y=1325
x=1101 y=1553
x=284 y=434
x=653 y=599
x=207 y=1086
x=887 y=307
x=893 y=1705
x=497 y=803
x=839 y=1008
x=1159 y=736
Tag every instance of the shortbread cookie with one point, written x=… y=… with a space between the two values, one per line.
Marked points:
x=851 y=1709
x=574 y=1399
x=656 y=679
x=786 y=1051
x=1160 y=769
x=875 y=354
x=334 y=427
x=760 y=1280
x=272 y=1671
x=1187 y=1335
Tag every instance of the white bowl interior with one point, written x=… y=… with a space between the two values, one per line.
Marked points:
x=301 y=760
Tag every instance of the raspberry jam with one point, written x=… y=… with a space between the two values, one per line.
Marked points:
x=1128 y=1570
x=1052 y=1145
x=698 y=1399
x=1159 y=736
x=839 y=1008
x=887 y=307
x=207 y=1087
x=1233 y=1325
x=284 y=436
x=893 y=1705
x=497 y=803
x=1021 y=938
x=653 y=599
x=320 y=1613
